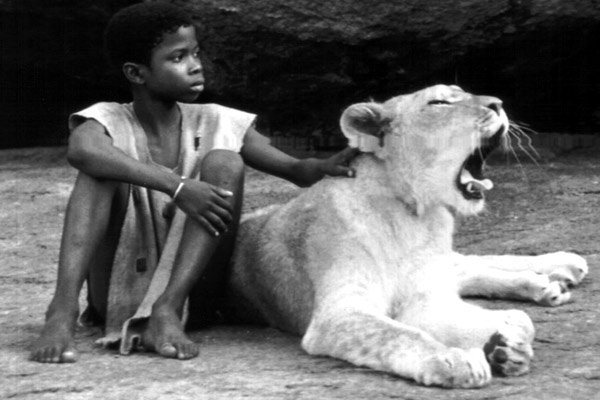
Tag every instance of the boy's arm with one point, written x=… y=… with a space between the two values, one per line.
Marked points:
x=91 y=151
x=258 y=153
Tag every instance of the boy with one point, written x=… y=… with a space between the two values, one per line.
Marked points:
x=136 y=160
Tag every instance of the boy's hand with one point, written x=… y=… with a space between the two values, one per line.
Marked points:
x=312 y=170
x=338 y=164
x=206 y=204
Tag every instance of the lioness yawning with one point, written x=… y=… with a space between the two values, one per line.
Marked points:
x=364 y=268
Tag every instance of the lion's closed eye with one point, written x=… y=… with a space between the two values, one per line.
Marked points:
x=438 y=102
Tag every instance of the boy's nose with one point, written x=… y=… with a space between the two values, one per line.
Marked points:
x=196 y=68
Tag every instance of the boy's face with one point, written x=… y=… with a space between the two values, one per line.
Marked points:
x=175 y=72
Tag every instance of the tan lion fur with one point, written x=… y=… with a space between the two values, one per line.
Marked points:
x=364 y=268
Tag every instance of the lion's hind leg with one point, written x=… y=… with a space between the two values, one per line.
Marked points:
x=364 y=336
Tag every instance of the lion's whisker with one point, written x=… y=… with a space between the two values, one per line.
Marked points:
x=514 y=153
x=524 y=141
x=511 y=150
x=518 y=161
x=524 y=127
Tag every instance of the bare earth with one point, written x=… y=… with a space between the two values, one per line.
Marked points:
x=534 y=208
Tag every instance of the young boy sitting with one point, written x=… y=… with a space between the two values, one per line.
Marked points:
x=135 y=161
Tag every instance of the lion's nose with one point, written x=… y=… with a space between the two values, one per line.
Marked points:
x=492 y=103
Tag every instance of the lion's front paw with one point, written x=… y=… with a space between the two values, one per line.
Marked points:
x=509 y=350
x=455 y=368
x=565 y=267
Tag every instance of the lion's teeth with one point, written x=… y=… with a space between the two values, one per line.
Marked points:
x=465 y=176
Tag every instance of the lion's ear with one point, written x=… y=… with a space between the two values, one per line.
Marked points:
x=361 y=124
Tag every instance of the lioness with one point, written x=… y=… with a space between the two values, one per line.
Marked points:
x=364 y=268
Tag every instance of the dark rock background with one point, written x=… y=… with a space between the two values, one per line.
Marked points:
x=298 y=63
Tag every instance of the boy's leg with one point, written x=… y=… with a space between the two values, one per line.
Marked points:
x=165 y=331
x=90 y=234
x=207 y=297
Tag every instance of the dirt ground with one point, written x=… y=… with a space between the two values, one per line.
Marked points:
x=533 y=209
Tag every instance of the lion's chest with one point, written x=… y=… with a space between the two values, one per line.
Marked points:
x=388 y=229
x=380 y=244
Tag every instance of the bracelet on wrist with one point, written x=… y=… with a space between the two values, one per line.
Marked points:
x=179 y=187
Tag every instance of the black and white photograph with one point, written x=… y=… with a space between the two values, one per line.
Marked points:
x=277 y=199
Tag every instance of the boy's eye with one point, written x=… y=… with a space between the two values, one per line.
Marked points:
x=177 y=56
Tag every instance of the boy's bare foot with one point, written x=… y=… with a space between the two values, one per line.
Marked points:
x=56 y=344
x=165 y=335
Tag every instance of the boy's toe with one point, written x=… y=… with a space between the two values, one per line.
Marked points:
x=44 y=355
x=187 y=351
x=53 y=356
x=70 y=355
x=167 y=350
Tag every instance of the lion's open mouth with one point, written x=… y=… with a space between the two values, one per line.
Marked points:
x=470 y=180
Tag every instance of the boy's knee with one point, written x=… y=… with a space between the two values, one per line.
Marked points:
x=218 y=162
x=101 y=193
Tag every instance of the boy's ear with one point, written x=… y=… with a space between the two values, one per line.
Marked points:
x=133 y=72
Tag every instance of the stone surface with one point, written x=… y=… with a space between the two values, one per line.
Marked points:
x=299 y=62
x=302 y=61
x=533 y=209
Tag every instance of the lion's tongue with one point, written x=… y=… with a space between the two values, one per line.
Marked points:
x=474 y=185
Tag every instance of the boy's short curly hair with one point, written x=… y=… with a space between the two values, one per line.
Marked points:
x=134 y=31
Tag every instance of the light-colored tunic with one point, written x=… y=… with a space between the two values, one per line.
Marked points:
x=149 y=241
